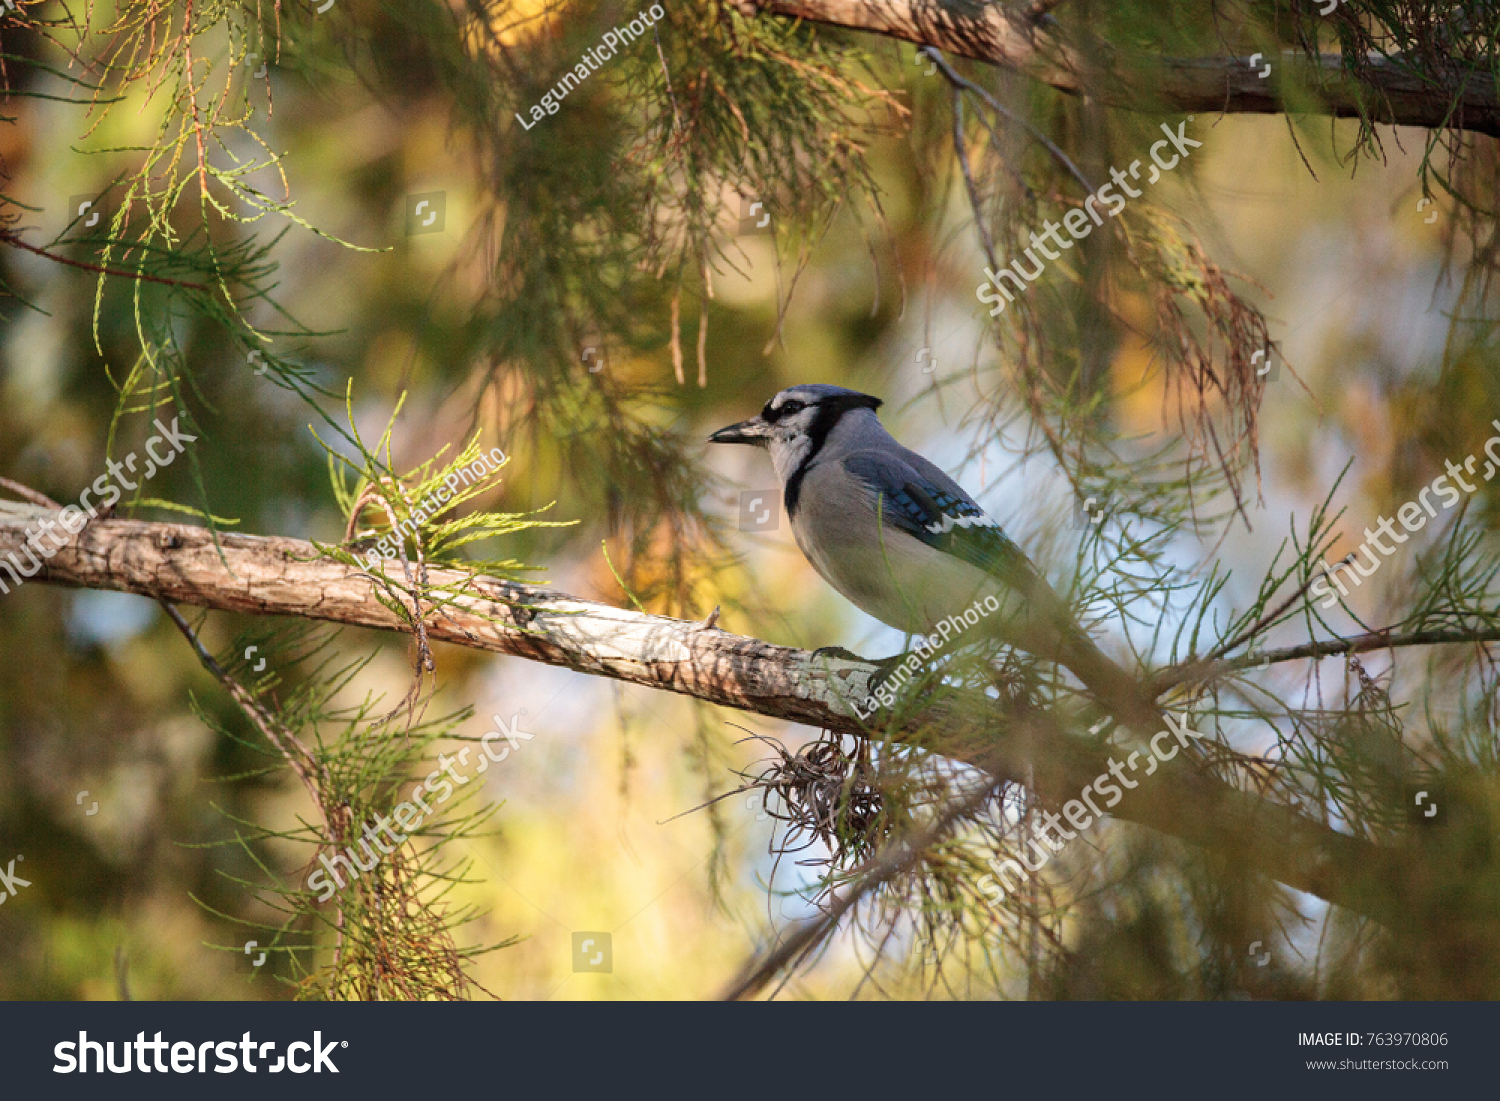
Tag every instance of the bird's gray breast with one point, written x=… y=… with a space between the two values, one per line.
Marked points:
x=882 y=570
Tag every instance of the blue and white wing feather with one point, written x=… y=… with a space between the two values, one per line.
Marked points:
x=919 y=499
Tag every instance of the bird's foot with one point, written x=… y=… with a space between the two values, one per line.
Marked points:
x=837 y=652
x=885 y=667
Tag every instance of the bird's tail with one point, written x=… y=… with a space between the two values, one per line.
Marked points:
x=1120 y=693
x=1062 y=640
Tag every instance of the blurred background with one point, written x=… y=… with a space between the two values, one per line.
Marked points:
x=122 y=804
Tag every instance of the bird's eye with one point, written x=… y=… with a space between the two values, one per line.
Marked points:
x=793 y=406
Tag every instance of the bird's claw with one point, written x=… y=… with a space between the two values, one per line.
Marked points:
x=884 y=667
x=837 y=652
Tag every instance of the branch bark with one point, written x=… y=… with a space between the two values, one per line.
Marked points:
x=1013 y=38
x=259 y=575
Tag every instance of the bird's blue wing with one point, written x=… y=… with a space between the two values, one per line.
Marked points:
x=917 y=498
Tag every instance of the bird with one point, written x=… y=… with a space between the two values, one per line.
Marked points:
x=902 y=541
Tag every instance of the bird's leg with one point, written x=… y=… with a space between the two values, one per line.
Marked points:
x=884 y=668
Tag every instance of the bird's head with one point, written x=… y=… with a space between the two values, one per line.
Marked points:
x=794 y=424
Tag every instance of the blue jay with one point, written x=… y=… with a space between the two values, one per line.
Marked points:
x=903 y=541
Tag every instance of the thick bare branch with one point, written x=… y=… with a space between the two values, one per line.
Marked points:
x=1014 y=38
x=260 y=575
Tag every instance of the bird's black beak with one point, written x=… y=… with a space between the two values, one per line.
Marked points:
x=752 y=431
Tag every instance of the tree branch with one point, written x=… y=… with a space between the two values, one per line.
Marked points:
x=11 y=238
x=259 y=575
x=1016 y=39
x=1385 y=639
